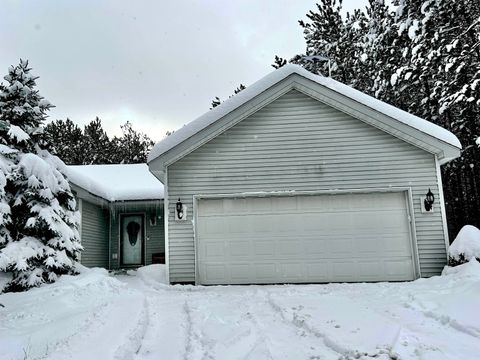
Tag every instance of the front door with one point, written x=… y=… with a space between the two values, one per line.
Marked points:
x=132 y=239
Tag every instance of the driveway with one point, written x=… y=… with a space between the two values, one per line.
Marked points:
x=135 y=316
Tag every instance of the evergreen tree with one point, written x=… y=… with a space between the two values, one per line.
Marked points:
x=279 y=62
x=97 y=147
x=217 y=101
x=93 y=146
x=441 y=73
x=64 y=139
x=42 y=238
x=423 y=57
x=132 y=147
x=7 y=157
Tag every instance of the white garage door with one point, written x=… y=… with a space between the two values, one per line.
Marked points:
x=293 y=239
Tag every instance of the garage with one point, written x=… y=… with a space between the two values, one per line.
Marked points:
x=348 y=237
x=302 y=179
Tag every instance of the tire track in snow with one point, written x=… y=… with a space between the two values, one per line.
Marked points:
x=94 y=320
x=196 y=346
x=301 y=343
x=261 y=339
x=445 y=320
x=248 y=343
x=336 y=349
x=133 y=344
x=300 y=324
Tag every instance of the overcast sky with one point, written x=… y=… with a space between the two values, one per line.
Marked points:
x=157 y=63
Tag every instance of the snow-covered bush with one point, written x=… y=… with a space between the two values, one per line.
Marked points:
x=39 y=237
x=465 y=247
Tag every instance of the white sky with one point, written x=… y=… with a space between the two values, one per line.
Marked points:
x=156 y=63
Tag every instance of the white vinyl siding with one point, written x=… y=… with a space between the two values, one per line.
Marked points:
x=297 y=143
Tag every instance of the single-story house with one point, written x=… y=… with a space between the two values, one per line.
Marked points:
x=302 y=179
x=121 y=208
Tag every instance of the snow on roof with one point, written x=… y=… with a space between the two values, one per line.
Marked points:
x=117 y=182
x=276 y=76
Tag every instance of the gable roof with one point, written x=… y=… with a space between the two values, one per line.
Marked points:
x=393 y=120
x=117 y=182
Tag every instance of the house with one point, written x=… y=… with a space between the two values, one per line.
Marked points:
x=302 y=179
x=121 y=208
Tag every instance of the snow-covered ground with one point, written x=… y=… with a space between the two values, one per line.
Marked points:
x=135 y=316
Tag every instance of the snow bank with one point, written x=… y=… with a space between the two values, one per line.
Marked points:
x=89 y=316
x=466 y=244
x=469 y=269
x=117 y=182
x=152 y=274
x=276 y=76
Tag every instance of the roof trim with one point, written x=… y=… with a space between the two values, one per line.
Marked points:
x=390 y=119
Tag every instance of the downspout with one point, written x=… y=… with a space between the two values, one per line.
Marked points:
x=443 y=211
x=109 y=237
x=80 y=210
x=165 y=215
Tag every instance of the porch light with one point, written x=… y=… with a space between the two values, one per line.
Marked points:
x=429 y=199
x=179 y=209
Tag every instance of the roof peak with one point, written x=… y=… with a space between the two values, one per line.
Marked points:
x=276 y=76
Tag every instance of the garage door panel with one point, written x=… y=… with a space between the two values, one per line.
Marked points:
x=397 y=269
x=317 y=271
x=370 y=246
x=339 y=246
x=263 y=204
x=394 y=246
x=290 y=248
x=215 y=272
x=286 y=204
x=370 y=270
x=239 y=248
x=236 y=206
x=212 y=207
x=212 y=249
x=292 y=271
x=343 y=270
x=265 y=272
x=315 y=247
x=351 y=237
x=263 y=248
x=240 y=272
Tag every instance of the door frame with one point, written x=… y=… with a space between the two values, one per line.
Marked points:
x=120 y=223
x=408 y=202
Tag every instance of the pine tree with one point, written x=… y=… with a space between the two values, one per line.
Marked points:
x=132 y=147
x=279 y=62
x=217 y=101
x=7 y=157
x=97 y=147
x=324 y=32
x=442 y=71
x=43 y=240
x=423 y=57
x=65 y=140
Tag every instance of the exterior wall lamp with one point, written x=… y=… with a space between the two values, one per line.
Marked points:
x=180 y=211
x=428 y=201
